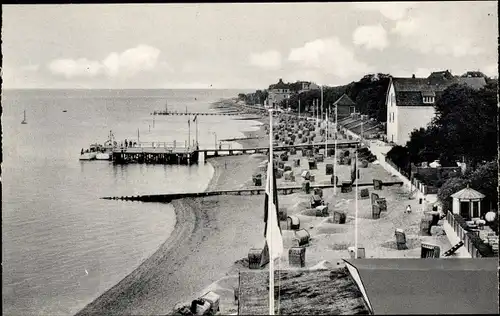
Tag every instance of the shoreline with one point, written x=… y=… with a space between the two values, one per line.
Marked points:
x=155 y=286
x=212 y=236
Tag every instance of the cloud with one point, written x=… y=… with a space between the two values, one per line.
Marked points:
x=116 y=65
x=70 y=68
x=491 y=70
x=329 y=56
x=268 y=60
x=441 y=33
x=30 y=68
x=391 y=10
x=371 y=36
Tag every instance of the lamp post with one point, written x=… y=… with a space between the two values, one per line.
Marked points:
x=215 y=135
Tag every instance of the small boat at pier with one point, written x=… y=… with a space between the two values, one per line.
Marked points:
x=100 y=152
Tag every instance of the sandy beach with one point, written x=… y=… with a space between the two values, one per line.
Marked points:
x=209 y=236
x=213 y=235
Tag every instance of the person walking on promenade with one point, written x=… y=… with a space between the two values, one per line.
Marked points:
x=408 y=209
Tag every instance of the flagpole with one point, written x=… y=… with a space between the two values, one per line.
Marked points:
x=321 y=102
x=326 y=138
x=314 y=105
x=189 y=132
x=271 y=197
x=356 y=215
x=196 y=117
x=335 y=154
x=137 y=135
x=317 y=111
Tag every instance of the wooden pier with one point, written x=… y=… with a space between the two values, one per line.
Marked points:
x=208 y=153
x=248 y=191
x=235 y=113
x=156 y=154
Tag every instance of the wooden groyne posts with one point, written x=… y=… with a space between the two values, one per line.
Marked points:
x=248 y=191
x=264 y=150
x=197 y=113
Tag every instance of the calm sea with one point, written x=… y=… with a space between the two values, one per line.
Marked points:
x=55 y=229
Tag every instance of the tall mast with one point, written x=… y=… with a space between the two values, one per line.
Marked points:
x=271 y=198
x=356 y=215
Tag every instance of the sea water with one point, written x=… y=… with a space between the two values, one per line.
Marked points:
x=62 y=245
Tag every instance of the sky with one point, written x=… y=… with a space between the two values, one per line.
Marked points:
x=237 y=45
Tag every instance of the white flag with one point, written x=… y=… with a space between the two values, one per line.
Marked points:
x=273 y=233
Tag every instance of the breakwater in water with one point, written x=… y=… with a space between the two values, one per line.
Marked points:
x=248 y=191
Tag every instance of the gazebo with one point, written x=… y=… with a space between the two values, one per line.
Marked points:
x=467 y=203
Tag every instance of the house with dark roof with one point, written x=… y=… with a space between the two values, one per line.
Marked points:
x=410 y=101
x=308 y=86
x=277 y=93
x=345 y=106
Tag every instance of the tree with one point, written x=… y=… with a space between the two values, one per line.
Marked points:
x=369 y=93
x=466 y=122
x=484 y=179
x=450 y=187
x=400 y=157
x=464 y=128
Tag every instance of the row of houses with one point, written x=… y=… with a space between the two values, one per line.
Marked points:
x=282 y=91
x=409 y=100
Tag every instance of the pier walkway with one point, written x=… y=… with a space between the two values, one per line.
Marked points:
x=181 y=153
x=247 y=191
x=156 y=152
x=252 y=150
x=232 y=113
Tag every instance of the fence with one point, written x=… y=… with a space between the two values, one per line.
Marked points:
x=474 y=245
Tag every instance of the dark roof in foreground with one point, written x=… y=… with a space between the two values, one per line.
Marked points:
x=302 y=292
x=430 y=286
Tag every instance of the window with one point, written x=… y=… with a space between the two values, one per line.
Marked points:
x=428 y=100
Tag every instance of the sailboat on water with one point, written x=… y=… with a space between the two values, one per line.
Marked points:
x=24 y=119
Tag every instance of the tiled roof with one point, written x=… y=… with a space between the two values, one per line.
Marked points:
x=473 y=82
x=410 y=91
x=279 y=85
x=467 y=194
x=367 y=125
x=347 y=121
x=344 y=100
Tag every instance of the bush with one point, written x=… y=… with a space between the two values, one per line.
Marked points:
x=451 y=186
x=399 y=156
